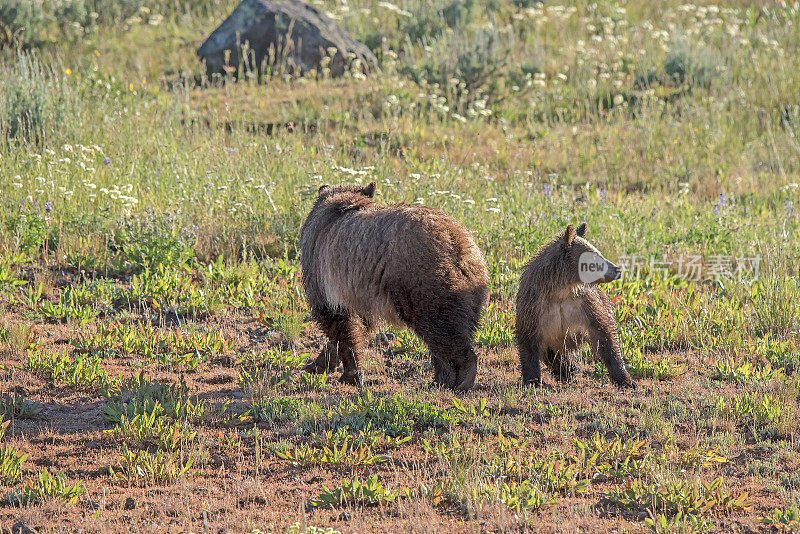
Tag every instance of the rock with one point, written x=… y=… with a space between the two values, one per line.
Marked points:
x=262 y=32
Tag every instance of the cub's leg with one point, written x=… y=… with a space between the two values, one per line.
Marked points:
x=561 y=365
x=603 y=341
x=530 y=352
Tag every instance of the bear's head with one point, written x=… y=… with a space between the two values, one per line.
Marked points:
x=327 y=191
x=586 y=264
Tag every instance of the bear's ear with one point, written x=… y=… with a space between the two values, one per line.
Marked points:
x=369 y=190
x=323 y=189
x=569 y=235
x=581 y=229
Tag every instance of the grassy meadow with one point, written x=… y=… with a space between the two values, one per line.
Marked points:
x=152 y=318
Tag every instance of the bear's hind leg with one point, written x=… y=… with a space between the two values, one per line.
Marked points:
x=446 y=327
x=468 y=371
x=455 y=363
x=443 y=372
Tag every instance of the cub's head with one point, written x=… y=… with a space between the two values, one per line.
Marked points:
x=585 y=263
x=328 y=191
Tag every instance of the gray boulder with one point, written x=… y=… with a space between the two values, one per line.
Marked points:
x=267 y=32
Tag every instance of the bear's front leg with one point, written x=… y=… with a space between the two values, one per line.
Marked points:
x=346 y=333
x=603 y=341
x=531 y=351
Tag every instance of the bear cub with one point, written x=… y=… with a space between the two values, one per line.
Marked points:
x=560 y=306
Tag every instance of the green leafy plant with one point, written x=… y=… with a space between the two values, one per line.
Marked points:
x=395 y=415
x=49 y=486
x=336 y=449
x=76 y=303
x=610 y=457
x=181 y=349
x=697 y=457
x=764 y=412
x=784 y=520
x=731 y=371
x=468 y=409
x=279 y=409
x=523 y=496
x=152 y=427
x=355 y=492
x=153 y=245
x=11 y=460
x=664 y=524
x=695 y=497
x=161 y=467
x=84 y=372
x=139 y=395
x=497 y=330
x=18 y=337
x=8 y=274
x=434 y=493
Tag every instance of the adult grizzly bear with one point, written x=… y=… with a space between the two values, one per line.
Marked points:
x=407 y=265
x=560 y=307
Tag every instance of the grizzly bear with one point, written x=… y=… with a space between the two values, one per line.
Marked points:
x=560 y=307
x=407 y=265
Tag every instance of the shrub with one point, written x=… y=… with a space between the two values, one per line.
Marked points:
x=33 y=99
x=32 y=23
x=470 y=68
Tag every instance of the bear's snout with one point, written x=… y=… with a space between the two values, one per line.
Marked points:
x=612 y=273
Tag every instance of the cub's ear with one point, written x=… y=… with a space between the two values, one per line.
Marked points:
x=369 y=190
x=323 y=189
x=581 y=229
x=569 y=235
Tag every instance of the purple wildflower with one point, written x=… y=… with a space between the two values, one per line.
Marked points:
x=48 y=206
x=107 y=160
x=720 y=203
x=788 y=208
x=603 y=195
x=547 y=190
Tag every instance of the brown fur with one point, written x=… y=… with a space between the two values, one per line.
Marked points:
x=557 y=312
x=407 y=265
